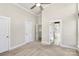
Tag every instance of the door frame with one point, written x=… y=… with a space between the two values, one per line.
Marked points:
x=57 y=20
x=9 y=35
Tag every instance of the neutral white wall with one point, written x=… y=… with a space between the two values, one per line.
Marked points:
x=69 y=31
x=65 y=12
x=39 y=19
x=78 y=27
x=78 y=33
x=18 y=17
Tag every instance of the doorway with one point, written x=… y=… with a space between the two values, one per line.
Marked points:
x=38 y=32
x=55 y=32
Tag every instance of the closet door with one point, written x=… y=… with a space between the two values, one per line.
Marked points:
x=28 y=31
x=4 y=34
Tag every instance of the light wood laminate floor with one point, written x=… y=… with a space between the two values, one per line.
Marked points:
x=38 y=49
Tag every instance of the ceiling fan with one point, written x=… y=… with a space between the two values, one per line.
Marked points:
x=38 y=5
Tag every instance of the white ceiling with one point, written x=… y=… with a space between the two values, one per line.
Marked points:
x=27 y=6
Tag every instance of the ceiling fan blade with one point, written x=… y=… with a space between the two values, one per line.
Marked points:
x=41 y=7
x=33 y=6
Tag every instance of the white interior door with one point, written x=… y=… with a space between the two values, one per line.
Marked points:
x=28 y=31
x=4 y=34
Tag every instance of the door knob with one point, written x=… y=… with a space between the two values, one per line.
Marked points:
x=7 y=36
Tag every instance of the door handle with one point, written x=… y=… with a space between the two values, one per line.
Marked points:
x=7 y=36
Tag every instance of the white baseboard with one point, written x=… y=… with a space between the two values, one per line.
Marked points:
x=19 y=45
x=66 y=46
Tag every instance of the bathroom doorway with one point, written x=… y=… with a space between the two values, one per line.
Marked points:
x=55 y=32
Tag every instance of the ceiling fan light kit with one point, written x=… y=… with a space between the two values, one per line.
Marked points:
x=38 y=4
